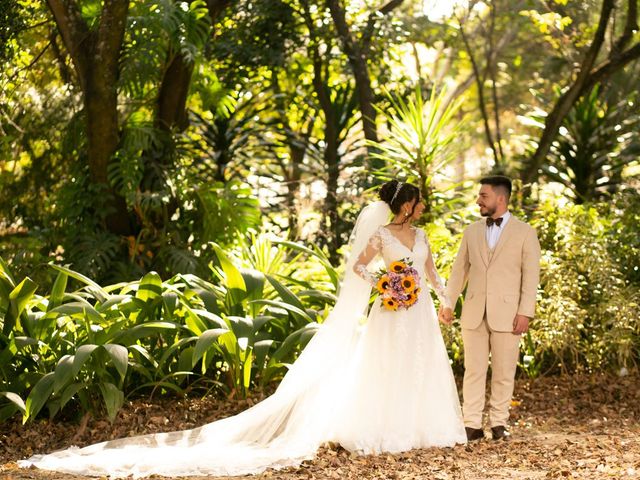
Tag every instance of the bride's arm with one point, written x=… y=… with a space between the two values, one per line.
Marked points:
x=436 y=280
x=374 y=245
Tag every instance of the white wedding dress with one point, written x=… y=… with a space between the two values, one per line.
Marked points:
x=376 y=383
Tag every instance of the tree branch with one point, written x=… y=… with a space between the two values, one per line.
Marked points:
x=358 y=60
x=73 y=30
x=480 y=86
x=371 y=22
x=568 y=98
x=630 y=27
x=605 y=70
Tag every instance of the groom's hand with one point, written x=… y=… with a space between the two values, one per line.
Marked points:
x=520 y=324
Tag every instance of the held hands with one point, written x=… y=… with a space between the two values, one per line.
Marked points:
x=520 y=324
x=445 y=315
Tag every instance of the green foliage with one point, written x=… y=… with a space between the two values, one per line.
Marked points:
x=12 y=20
x=596 y=144
x=587 y=306
x=421 y=140
x=91 y=347
x=265 y=34
x=589 y=295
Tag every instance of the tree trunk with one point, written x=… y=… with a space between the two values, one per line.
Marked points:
x=176 y=80
x=172 y=95
x=479 y=80
x=95 y=54
x=358 y=61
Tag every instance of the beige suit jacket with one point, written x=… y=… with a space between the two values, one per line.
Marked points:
x=503 y=284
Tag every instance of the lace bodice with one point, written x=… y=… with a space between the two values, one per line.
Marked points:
x=391 y=248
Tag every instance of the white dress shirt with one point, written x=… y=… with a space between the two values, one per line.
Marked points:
x=494 y=231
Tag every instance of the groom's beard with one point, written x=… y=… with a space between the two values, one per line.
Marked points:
x=487 y=212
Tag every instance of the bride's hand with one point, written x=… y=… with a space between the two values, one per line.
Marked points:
x=445 y=315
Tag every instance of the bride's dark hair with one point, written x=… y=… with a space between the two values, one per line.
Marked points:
x=395 y=198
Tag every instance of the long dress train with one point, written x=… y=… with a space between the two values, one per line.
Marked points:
x=380 y=383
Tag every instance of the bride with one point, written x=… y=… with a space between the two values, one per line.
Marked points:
x=373 y=384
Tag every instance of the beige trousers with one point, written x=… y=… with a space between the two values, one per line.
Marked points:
x=504 y=349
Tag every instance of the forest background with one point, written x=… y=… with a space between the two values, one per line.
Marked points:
x=179 y=179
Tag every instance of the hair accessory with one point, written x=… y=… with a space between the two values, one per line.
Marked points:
x=396 y=194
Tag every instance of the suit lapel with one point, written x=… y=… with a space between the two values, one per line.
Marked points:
x=482 y=243
x=508 y=231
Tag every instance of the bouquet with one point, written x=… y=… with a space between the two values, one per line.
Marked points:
x=399 y=287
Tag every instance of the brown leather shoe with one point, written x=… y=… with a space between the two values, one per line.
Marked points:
x=474 y=433
x=499 y=433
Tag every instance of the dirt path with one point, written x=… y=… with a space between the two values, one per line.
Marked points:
x=582 y=427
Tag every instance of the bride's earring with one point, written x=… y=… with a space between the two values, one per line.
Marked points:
x=406 y=214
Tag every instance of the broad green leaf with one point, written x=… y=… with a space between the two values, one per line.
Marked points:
x=120 y=357
x=246 y=369
x=230 y=342
x=113 y=399
x=57 y=291
x=15 y=399
x=5 y=272
x=241 y=326
x=260 y=350
x=286 y=294
x=98 y=290
x=233 y=278
x=254 y=281
x=291 y=342
x=170 y=302
x=38 y=396
x=166 y=355
x=63 y=373
x=204 y=342
x=82 y=355
x=22 y=342
x=212 y=318
x=145 y=354
x=18 y=299
x=130 y=335
x=77 y=309
x=295 y=311
x=119 y=300
x=150 y=286
x=194 y=322
x=69 y=392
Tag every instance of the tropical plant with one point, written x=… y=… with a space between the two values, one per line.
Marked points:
x=94 y=346
x=423 y=138
x=596 y=144
x=585 y=302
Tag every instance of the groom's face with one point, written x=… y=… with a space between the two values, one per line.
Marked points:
x=487 y=201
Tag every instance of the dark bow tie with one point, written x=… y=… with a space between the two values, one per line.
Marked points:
x=497 y=221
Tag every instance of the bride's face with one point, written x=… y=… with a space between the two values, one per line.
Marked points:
x=417 y=206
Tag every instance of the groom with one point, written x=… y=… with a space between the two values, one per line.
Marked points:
x=499 y=258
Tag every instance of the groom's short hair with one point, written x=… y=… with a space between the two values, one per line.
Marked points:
x=498 y=182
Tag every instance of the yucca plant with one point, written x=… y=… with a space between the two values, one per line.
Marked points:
x=597 y=142
x=423 y=138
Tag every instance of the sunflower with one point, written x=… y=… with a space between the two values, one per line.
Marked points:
x=390 y=304
x=408 y=283
x=397 y=267
x=383 y=284
x=412 y=299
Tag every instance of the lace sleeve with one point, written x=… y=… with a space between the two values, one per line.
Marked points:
x=372 y=249
x=436 y=280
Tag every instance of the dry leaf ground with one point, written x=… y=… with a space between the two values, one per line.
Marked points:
x=563 y=427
